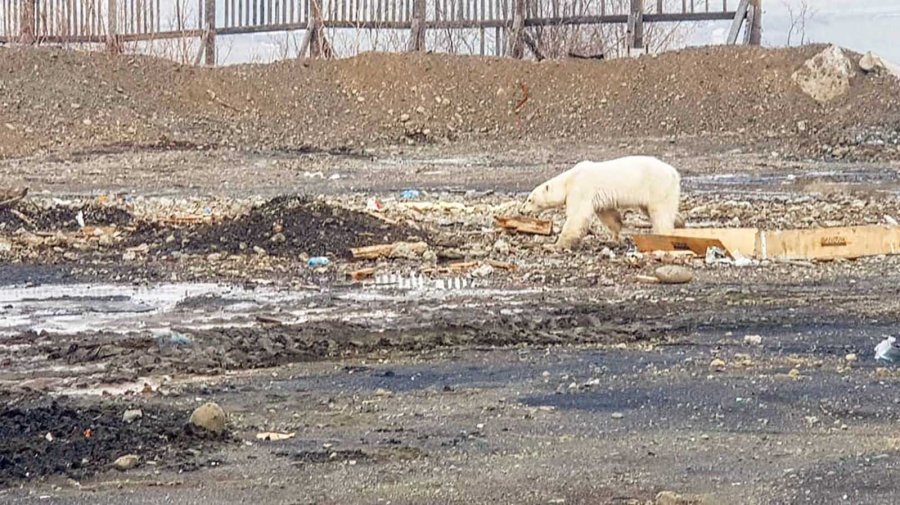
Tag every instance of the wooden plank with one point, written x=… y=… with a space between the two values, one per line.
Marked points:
x=524 y=224
x=756 y=23
x=831 y=243
x=743 y=241
x=387 y=250
x=650 y=243
x=739 y=16
x=359 y=275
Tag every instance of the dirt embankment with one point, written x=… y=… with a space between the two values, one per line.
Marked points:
x=68 y=101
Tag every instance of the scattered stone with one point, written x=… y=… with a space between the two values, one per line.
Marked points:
x=794 y=374
x=673 y=274
x=717 y=364
x=126 y=462
x=501 y=247
x=484 y=270
x=617 y=415
x=871 y=62
x=852 y=358
x=383 y=393
x=209 y=417
x=752 y=339
x=673 y=498
x=132 y=415
x=825 y=76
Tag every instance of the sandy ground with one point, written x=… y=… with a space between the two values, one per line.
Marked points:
x=562 y=382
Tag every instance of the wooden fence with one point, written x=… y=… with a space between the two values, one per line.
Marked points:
x=514 y=22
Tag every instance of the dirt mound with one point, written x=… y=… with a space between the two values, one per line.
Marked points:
x=284 y=226
x=69 y=101
x=42 y=438
x=31 y=216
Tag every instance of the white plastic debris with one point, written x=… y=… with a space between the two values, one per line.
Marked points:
x=80 y=218
x=887 y=351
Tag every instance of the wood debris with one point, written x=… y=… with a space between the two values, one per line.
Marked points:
x=522 y=224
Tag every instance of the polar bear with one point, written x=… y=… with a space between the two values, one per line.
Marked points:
x=602 y=188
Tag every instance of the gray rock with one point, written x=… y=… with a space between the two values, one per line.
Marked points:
x=126 y=462
x=673 y=274
x=209 y=417
x=132 y=415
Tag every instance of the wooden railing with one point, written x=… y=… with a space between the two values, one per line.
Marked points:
x=89 y=21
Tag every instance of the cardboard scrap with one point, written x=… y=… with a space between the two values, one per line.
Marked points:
x=522 y=224
x=846 y=242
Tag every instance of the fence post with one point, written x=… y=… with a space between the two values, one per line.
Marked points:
x=112 y=27
x=517 y=32
x=314 y=41
x=756 y=23
x=739 y=16
x=417 y=30
x=636 y=24
x=209 y=40
x=26 y=31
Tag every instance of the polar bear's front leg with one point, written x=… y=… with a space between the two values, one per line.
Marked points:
x=578 y=219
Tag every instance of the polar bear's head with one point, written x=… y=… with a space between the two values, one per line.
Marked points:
x=548 y=195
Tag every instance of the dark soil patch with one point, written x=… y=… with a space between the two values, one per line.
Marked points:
x=84 y=440
x=284 y=226
x=61 y=217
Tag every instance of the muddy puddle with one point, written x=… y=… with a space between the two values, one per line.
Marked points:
x=120 y=308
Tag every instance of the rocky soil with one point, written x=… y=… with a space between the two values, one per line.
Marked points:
x=69 y=102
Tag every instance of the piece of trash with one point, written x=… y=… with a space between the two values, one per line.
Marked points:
x=49 y=436
x=274 y=436
x=409 y=194
x=80 y=219
x=716 y=255
x=318 y=261
x=887 y=351
x=523 y=224
x=374 y=205
x=169 y=337
x=395 y=250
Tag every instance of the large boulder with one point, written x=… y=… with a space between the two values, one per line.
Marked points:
x=825 y=76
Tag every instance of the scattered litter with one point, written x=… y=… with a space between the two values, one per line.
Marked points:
x=80 y=219
x=395 y=250
x=274 y=436
x=374 y=205
x=409 y=194
x=484 y=270
x=168 y=337
x=887 y=351
x=318 y=261
x=715 y=255
x=523 y=224
x=420 y=282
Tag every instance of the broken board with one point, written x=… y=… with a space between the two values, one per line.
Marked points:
x=846 y=242
x=697 y=245
x=523 y=224
x=830 y=243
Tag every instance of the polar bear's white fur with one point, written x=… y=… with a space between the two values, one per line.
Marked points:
x=602 y=188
